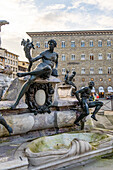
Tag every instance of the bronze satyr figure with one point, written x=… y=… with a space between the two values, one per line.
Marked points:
x=68 y=79
x=86 y=104
x=43 y=70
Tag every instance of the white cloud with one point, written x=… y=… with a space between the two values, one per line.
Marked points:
x=21 y=16
x=106 y=4
x=55 y=7
x=105 y=21
x=24 y=16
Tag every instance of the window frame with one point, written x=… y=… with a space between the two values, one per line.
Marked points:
x=72 y=44
x=63 y=71
x=82 y=43
x=82 y=55
x=73 y=57
x=99 y=43
x=83 y=70
x=100 y=54
x=38 y=44
x=63 y=45
x=63 y=57
x=100 y=71
x=91 y=43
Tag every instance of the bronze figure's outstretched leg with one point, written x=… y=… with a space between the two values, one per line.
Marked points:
x=84 y=114
x=34 y=74
x=4 y=123
x=39 y=71
x=97 y=105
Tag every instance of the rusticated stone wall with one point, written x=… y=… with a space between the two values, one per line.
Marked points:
x=103 y=79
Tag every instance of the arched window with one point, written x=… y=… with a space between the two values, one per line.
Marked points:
x=101 y=89
x=110 y=89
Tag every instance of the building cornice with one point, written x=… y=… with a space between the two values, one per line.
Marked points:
x=64 y=33
x=8 y=52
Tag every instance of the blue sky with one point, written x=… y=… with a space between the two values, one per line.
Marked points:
x=51 y=15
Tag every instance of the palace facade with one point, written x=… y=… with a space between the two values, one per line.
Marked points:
x=89 y=53
x=9 y=59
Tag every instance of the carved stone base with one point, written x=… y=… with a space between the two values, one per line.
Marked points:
x=39 y=97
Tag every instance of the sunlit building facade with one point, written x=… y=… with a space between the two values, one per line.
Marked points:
x=89 y=53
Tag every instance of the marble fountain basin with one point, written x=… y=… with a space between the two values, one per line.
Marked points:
x=57 y=150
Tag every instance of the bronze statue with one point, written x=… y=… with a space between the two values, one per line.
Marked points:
x=68 y=79
x=4 y=123
x=86 y=104
x=43 y=70
x=27 y=47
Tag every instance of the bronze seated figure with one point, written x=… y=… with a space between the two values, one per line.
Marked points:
x=82 y=96
x=43 y=70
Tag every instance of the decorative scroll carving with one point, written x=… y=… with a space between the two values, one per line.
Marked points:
x=39 y=97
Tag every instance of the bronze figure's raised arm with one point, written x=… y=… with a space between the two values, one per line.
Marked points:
x=43 y=70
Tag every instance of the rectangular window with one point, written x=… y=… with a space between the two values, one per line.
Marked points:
x=109 y=56
x=72 y=43
x=38 y=45
x=83 y=57
x=108 y=43
x=73 y=57
x=8 y=61
x=91 y=57
x=82 y=43
x=91 y=70
x=5 y=60
x=63 y=57
x=100 y=56
x=109 y=70
x=100 y=43
x=63 y=44
x=83 y=71
x=91 y=43
x=1 y=59
x=46 y=44
x=100 y=70
x=63 y=70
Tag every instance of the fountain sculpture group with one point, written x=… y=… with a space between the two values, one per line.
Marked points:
x=42 y=96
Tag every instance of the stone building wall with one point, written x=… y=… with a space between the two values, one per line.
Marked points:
x=105 y=80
